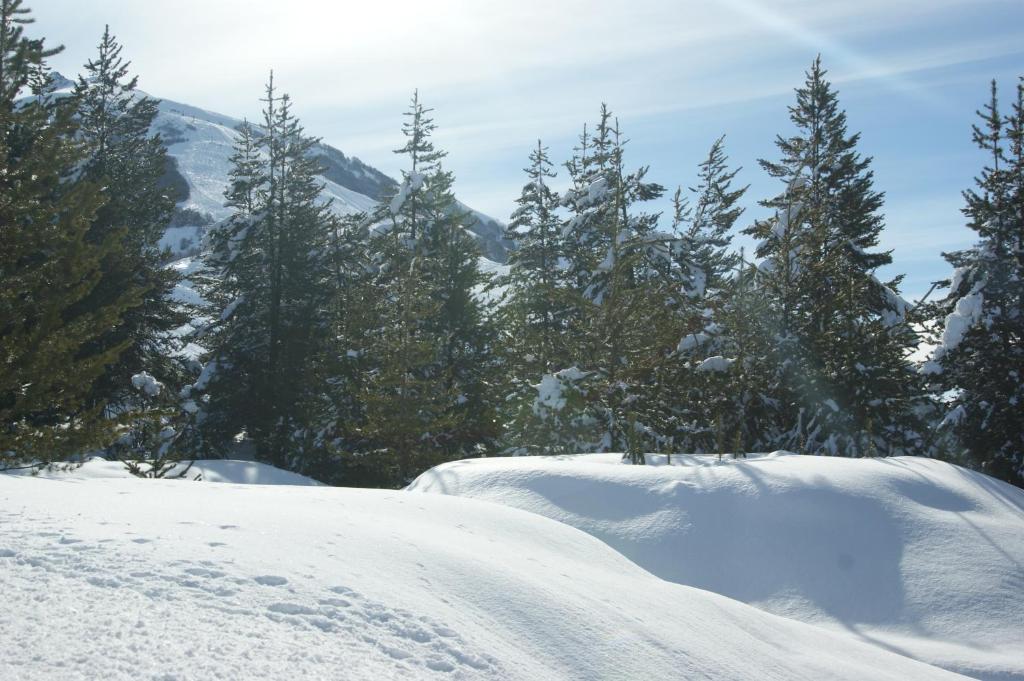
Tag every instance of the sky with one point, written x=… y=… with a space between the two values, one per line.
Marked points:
x=677 y=73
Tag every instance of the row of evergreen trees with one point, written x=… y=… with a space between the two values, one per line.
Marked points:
x=362 y=349
x=84 y=302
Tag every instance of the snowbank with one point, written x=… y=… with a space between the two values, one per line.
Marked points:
x=211 y=470
x=914 y=555
x=127 y=579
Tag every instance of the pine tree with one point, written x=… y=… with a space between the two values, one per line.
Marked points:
x=841 y=335
x=535 y=285
x=616 y=266
x=346 y=362
x=702 y=363
x=128 y=161
x=532 y=318
x=430 y=398
x=272 y=268
x=980 y=359
x=49 y=266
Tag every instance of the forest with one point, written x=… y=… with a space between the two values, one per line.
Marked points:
x=362 y=350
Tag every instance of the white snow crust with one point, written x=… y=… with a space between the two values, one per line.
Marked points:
x=140 y=579
x=911 y=555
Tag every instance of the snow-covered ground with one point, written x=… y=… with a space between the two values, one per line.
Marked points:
x=214 y=470
x=105 y=577
x=912 y=555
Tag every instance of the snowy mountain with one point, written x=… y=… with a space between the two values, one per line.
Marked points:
x=910 y=554
x=199 y=144
x=161 y=579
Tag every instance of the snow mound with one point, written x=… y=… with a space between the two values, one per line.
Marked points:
x=128 y=579
x=914 y=555
x=209 y=470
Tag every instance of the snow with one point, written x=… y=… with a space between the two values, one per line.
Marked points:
x=158 y=579
x=147 y=384
x=716 y=364
x=180 y=240
x=897 y=306
x=413 y=183
x=184 y=292
x=230 y=309
x=691 y=341
x=698 y=282
x=597 y=190
x=550 y=389
x=202 y=142
x=211 y=470
x=963 y=317
x=908 y=554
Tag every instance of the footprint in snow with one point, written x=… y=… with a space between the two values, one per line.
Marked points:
x=205 y=572
x=270 y=580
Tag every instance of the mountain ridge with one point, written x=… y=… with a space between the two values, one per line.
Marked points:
x=199 y=144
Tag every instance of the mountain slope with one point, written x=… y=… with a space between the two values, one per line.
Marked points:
x=200 y=144
x=911 y=554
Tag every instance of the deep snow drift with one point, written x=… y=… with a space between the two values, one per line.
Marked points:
x=913 y=555
x=107 y=578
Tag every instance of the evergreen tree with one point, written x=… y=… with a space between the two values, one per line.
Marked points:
x=346 y=360
x=535 y=285
x=272 y=267
x=533 y=318
x=430 y=397
x=841 y=335
x=692 y=395
x=617 y=264
x=980 y=359
x=128 y=161
x=49 y=266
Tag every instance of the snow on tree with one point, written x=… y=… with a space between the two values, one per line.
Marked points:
x=841 y=337
x=618 y=269
x=428 y=396
x=688 y=402
x=979 y=360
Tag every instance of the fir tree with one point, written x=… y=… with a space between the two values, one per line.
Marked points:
x=49 y=266
x=272 y=268
x=429 y=398
x=533 y=317
x=536 y=283
x=616 y=266
x=980 y=359
x=129 y=162
x=692 y=401
x=841 y=336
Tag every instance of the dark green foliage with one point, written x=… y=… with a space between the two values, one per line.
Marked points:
x=428 y=397
x=364 y=349
x=50 y=266
x=981 y=356
x=129 y=163
x=692 y=404
x=840 y=336
x=270 y=272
